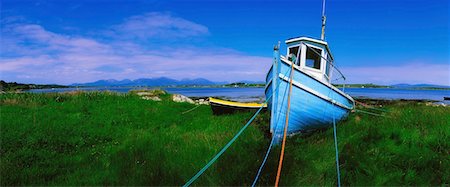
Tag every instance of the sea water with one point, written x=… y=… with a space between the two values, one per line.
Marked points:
x=257 y=94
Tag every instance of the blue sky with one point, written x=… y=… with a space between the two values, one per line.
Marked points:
x=373 y=41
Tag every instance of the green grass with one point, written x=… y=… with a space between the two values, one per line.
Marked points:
x=113 y=139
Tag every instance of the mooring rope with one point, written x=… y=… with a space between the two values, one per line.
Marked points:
x=337 y=152
x=263 y=163
x=270 y=146
x=223 y=149
x=370 y=107
x=191 y=109
x=370 y=113
x=199 y=173
x=280 y=163
x=335 y=145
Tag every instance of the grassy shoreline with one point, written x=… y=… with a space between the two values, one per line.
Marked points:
x=102 y=138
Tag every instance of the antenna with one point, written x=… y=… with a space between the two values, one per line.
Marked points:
x=324 y=20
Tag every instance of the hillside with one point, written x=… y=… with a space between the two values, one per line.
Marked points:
x=14 y=86
x=161 y=81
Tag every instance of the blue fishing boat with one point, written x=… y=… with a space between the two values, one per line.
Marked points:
x=314 y=102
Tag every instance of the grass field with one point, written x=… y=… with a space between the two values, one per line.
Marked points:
x=119 y=139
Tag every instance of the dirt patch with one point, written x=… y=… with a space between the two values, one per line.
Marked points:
x=10 y=102
x=149 y=94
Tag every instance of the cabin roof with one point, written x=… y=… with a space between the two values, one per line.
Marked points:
x=303 y=38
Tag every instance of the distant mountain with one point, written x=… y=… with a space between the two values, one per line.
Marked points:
x=109 y=82
x=419 y=86
x=199 y=81
x=161 y=81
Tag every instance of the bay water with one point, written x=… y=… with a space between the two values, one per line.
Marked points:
x=257 y=94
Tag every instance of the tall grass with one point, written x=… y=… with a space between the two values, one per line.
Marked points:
x=410 y=146
x=101 y=138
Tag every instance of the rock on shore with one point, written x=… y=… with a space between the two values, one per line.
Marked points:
x=181 y=98
x=155 y=96
x=150 y=94
x=202 y=102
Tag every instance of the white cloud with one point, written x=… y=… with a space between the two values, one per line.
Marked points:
x=32 y=54
x=36 y=55
x=413 y=73
x=158 y=25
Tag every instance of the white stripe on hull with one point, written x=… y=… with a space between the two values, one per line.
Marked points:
x=287 y=62
x=302 y=86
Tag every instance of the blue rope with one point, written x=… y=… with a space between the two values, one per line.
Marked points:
x=199 y=173
x=196 y=176
x=263 y=163
x=337 y=153
x=370 y=113
x=223 y=150
x=270 y=146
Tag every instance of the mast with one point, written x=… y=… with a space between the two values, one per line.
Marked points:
x=324 y=19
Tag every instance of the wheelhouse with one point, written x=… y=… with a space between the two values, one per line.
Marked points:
x=312 y=56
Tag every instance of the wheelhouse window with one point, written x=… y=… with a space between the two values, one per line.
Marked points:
x=327 y=69
x=328 y=66
x=313 y=58
x=293 y=51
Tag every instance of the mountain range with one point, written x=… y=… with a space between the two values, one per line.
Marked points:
x=164 y=81
x=161 y=81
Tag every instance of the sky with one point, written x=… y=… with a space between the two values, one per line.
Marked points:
x=373 y=41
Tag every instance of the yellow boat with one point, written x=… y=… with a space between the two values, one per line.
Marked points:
x=219 y=106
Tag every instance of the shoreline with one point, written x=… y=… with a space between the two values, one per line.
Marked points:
x=256 y=94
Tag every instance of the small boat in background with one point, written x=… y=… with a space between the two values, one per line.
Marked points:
x=446 y=98
x=219 y=106
x=315 y=103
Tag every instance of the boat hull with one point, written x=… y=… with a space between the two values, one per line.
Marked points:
x=220 y=107
x=313 y=104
